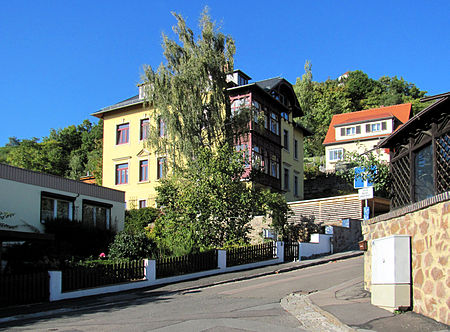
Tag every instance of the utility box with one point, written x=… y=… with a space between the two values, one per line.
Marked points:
x=391 y=272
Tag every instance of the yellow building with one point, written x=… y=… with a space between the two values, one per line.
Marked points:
x=130 y=166
x=292 y=159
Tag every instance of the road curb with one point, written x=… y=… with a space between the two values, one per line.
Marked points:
x=311 y=317
x=320 y=261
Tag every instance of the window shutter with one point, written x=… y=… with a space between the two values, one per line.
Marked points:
x=358 y=129
x=367 y=128
x=342 y=131
x=383 y=125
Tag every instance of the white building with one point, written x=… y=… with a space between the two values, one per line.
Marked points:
x=362 y=131
x=33 y=198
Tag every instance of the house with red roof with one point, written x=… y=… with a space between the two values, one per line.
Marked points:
x=361 y=132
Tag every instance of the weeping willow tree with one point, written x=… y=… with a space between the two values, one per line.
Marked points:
x=188 y=92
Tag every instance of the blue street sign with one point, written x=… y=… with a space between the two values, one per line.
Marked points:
x=359 y=178
x=366 y=213
x=346 y=223
x=359 y=182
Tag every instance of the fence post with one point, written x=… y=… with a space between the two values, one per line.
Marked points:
x=55 y=285
x=221 y=259
x=150 y=269
x=299 y=251
x=280 y=251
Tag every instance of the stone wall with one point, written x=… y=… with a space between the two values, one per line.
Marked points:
x=427 y=224
x=326 y=185
x=257 y=225
x=345 y=237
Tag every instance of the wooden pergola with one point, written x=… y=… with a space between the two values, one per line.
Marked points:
x=420 y=154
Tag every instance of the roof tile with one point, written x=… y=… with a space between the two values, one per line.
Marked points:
x=402 y=112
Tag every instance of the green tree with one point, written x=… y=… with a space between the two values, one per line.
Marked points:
x=6 y=150
x=71 y=152
x=375 y=171
x=207 y=205
x=319 y=102
x=189 y=91
x=42 y=157
x=358 y=85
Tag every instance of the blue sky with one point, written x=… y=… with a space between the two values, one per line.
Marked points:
x=60 y=61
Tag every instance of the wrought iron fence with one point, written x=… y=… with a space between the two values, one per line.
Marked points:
x=250 y=254
x=101 y=275
x=172 y=266
x=24 y=288
x=290 y=251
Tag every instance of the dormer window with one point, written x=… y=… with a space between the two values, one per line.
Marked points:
x=242 y=80
x=238 y=77
x=374 y=127
x=350 y=131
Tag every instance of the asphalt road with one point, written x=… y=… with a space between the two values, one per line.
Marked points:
x=248 y=305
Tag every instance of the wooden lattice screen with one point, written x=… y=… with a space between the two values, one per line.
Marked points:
x=401 y=181
x=443 y=163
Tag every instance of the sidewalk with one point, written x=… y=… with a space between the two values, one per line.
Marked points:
x=348 y=306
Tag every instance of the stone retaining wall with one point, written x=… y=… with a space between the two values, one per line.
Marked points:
x=427 y=224
x=346 y=238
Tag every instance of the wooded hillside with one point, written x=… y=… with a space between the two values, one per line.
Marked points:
x=353 y=91
x=70 y=152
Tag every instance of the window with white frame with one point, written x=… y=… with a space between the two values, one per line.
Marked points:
x=374 y=127
x=142 y=203
x=336 y=154
x=161 y=168
x=122 y=173
x=56 y=207
x=143 y=135
x=96 y=214
x=123 y=133
x=143 y=170
x=350 y=131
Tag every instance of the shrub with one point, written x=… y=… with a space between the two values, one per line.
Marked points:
x=137 y=220
x=301 y=231
x=131 y=246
